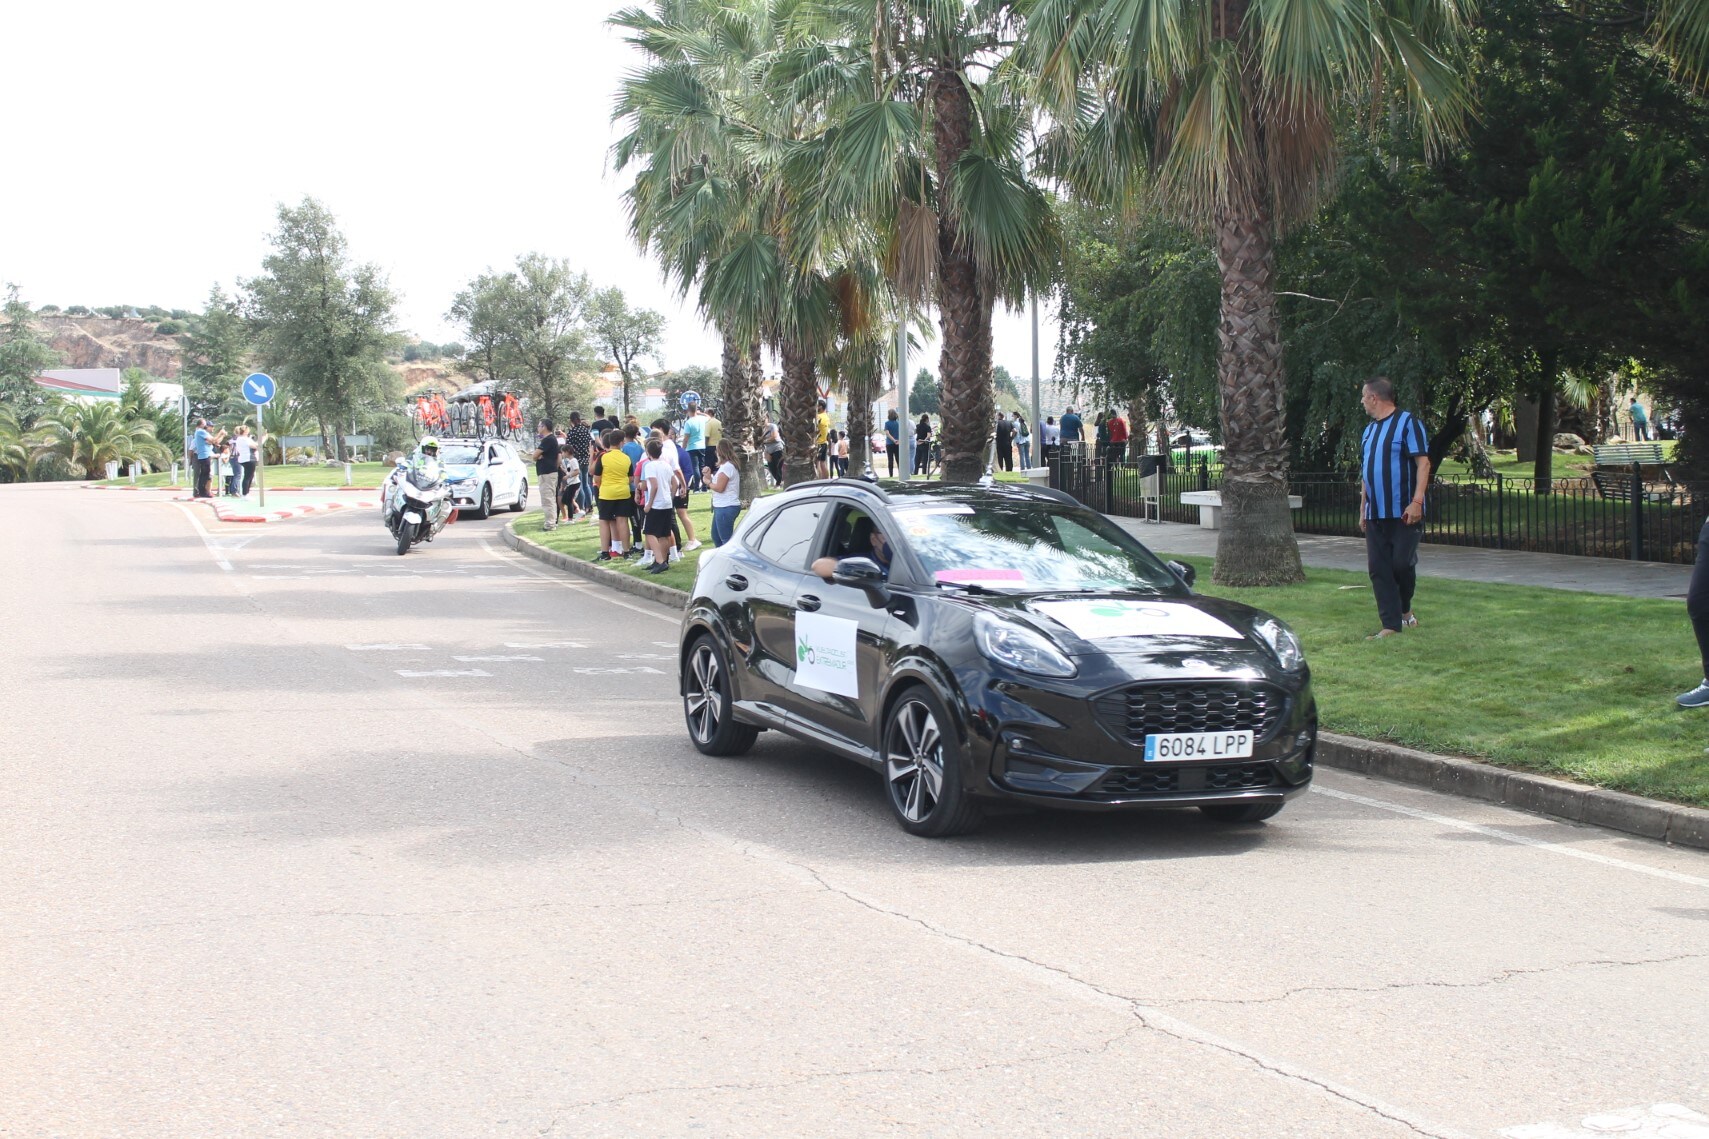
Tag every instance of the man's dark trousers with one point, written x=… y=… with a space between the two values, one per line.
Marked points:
x=1391 y=555
x=203 y=474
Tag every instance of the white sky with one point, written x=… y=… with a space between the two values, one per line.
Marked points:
x=153 y=142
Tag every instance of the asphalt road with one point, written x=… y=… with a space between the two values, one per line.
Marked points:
x=301 y=838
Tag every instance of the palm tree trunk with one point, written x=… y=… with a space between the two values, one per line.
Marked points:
x=964 y=364
x=740 y=413
x=863 y=389
x=800 y=400
x=1256 y=544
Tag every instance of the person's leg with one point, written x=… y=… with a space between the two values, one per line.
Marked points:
x=548 y=501
x=687 y=526
x=1697 y=608
x=1379 y=563
x=1406 y=569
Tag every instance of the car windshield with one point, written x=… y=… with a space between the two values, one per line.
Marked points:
x=459 y=456
x=1028 y=546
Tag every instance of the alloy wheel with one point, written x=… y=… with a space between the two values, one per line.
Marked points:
x=703 y=698
x=914 y=760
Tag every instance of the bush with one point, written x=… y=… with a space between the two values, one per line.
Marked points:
x=112 y=312
x=78 y=310
x=48 y=310
x=169 y=327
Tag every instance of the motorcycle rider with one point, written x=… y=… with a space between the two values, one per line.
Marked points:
x=426 y=459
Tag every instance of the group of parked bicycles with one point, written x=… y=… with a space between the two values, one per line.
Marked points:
x=477 y=412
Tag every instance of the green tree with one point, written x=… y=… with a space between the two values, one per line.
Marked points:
x=88 y=436
x=216 y=353
x=923 y=396
x=1228 y=110
x=24 y=355
x=14 y=448
x=706 y=382
x=138 y=405
x=624 y=334
x=324 y=326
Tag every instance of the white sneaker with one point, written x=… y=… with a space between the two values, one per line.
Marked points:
x=647 y=558
x=694 y=545
x=676 y=556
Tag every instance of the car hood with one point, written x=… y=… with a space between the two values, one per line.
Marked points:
x=1139 y=631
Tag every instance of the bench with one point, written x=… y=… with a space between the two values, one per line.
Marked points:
x=1209 y=503
x=1617 y=487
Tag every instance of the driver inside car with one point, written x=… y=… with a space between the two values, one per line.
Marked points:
x=865 y=540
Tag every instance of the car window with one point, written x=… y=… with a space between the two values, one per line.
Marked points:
x=458 y=455
x=789 y=539
x=1028 y=546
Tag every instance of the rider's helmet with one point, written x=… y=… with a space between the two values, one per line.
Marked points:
x=430 y=447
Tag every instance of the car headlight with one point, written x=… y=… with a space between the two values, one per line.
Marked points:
x=1282 y=642
x=1019 y=648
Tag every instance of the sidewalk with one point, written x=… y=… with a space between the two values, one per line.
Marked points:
x=1610 y=576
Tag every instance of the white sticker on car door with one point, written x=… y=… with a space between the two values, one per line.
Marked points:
x=825 y=654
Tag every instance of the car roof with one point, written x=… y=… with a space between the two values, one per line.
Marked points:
x=905 y=494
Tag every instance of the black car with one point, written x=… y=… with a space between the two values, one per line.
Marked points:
x=992 y=643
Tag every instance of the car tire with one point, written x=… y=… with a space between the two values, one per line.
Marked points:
x=923 y=766
x=521 y=502
x=707 y=707
x=1242 y=812
x=486 y=506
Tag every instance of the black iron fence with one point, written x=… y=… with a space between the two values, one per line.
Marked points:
x=1612 y=515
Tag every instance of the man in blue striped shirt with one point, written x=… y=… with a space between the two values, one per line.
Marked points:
x=1394 y=472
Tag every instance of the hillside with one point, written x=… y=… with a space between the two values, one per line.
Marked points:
x=102 y=342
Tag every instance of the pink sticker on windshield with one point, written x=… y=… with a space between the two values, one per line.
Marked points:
x=963 y=576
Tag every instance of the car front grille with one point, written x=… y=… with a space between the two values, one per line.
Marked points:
x=1168 y=780
x=1130 y=714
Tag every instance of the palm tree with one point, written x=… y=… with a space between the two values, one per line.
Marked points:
x=694 y=193
x=924 y=140
x=1228 y=110
x=89 y=436
x=14 y=449
x=1681 y=31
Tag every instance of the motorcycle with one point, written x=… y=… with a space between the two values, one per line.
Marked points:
x=416 y=504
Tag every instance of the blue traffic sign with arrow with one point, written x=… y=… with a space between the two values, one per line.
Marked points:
x=258 y=388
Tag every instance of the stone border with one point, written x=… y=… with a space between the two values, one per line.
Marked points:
x=1521 y=790
x=1466 y=778
x=576 y=567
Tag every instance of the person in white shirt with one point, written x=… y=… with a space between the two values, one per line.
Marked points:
x=655 y=488
x=243 y=451
x=1050 y=436
x=726 y=495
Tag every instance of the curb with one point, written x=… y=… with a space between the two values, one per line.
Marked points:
x=278 y=489
x=575 y=567
x=227 y=514
x=1521 y=790
x=1465 y=778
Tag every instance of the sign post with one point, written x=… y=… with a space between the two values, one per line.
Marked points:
x=258 y=389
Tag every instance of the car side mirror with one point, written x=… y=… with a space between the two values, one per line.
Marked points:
x=1185 y=572
x=866 y=575
x=495 y=461
x=403 y=462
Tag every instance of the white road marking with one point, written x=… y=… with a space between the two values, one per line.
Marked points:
x=388 y=647
x=666 y=644
x=545 y=645
x=1508 y=836
x=646 y=656
x=477 y=660
x=1657 y=1121
x=641 y=670
x=413 y=674
x=207 y=538
x=522 y=564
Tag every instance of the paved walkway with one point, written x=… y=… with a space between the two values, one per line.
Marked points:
x=1463 y=563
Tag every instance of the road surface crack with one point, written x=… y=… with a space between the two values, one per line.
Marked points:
x=1499 y=978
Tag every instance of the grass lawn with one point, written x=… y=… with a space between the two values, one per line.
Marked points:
x=1576 y=685
x=362 y=474
x=581 y=540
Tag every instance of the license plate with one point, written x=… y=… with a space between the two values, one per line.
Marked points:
x=1179 y=746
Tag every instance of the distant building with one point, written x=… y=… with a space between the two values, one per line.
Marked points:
x=87 y=384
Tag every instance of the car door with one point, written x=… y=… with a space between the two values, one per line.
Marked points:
x=769 y=573
x=854 y=641
x=501 y=473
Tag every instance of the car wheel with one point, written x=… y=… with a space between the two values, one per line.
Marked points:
x=486 y=506
x=521 y=502
x=1242 y=812
x=706 y=703
x=922 y=769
